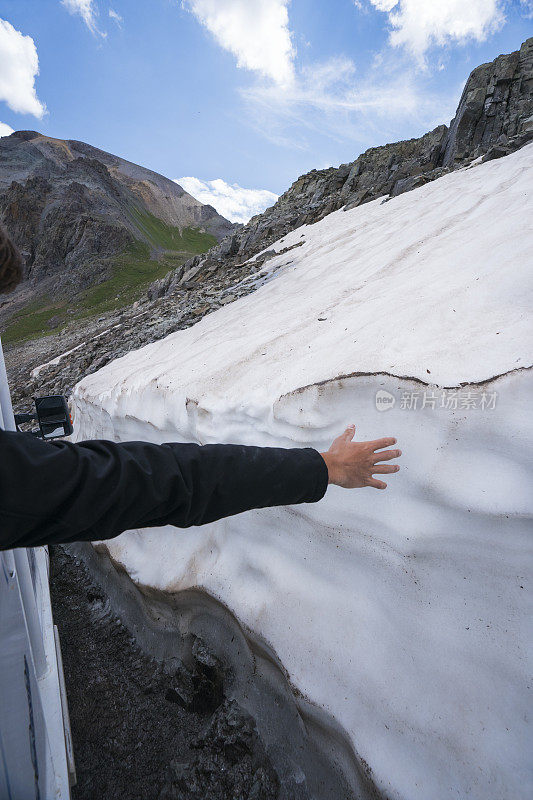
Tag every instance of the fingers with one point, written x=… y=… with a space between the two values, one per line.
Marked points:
x=376 y=484
x=384 y=469
x=349 y=433
x=386 y=455
x=379 y=443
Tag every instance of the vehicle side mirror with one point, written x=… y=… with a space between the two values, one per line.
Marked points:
x=53 y=416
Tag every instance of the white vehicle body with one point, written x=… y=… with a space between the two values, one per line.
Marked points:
x=36 y=759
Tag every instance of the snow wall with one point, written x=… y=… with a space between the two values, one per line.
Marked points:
x=402 y=614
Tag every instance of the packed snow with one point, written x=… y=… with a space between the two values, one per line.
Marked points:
x=402 y=613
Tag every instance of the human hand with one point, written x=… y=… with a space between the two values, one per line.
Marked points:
x=352 y=465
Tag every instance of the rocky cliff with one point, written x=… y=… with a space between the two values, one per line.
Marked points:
x=494 y=117
x=71 y=207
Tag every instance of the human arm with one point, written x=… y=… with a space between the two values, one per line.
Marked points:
x=59 y=491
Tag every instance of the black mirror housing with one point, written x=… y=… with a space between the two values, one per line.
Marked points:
x=53 y=416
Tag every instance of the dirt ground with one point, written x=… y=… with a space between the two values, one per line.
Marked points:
x=140 y=733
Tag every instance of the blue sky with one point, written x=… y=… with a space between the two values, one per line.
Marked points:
x=246 y=93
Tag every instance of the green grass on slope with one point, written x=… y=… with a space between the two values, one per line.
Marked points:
x=131 y=273
x=32 y=320
x=189 y=240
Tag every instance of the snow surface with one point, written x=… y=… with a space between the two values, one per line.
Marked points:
x=402 y=613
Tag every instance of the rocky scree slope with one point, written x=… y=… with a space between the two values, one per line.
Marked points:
x=494 y=117
x=73 y=209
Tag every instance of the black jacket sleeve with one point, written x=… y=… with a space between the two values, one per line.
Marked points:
x=62 y=492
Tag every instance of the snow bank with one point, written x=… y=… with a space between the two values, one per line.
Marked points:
x=401 y=613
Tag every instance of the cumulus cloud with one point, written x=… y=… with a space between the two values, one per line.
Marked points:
x=19 y=66
x=87 y=10
x=230 y=200
x=5 y=130
x=419 y=24
x=256 y=32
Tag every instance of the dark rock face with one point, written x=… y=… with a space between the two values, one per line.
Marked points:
x=10 y=264
x=495 y=106
x=69 y=206
x=61 y=235
x=494 y=118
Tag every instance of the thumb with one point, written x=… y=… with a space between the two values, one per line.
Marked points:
x=349 y=433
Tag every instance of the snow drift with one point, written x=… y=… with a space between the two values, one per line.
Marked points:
x=400 y=613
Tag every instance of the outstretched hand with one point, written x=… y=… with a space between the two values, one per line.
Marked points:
x=352 y=465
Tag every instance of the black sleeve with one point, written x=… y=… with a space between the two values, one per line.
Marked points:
x=60 y=491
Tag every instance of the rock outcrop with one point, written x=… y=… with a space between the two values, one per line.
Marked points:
x=494 y=117
x=495 y=110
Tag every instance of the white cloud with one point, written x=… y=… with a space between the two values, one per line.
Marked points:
x=255 y=31
x=87 y=10
x=332 y=86
x=384 y=5
x=115 y=16
x=5 y=130
x=230 y=200
x=527 y=8
x=19 y=66
x=419 y=24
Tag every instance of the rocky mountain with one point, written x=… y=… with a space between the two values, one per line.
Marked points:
x=494 y=117
x=74 y=210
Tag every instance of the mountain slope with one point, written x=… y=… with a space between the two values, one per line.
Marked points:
x=403 y=614
x=81 y=216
